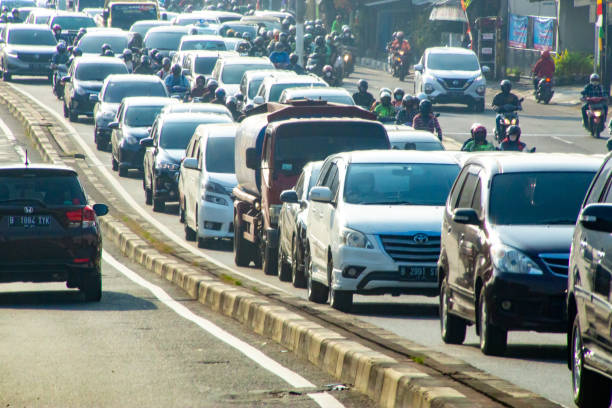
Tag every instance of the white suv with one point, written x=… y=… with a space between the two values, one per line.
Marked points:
x=374 y=224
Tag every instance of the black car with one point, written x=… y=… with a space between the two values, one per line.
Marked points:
x=165 y=39
x=170 y=136
x=292 y=226
x=48 y=230
x=71 y=23
x=589 y=296
x=95 y=38
x=26 y=49
x=84 y=79
x=506 y=237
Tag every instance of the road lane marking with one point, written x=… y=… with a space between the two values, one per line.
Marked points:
x=562 y=140
x=8 y=133
x=76 y=137
x=292 y=378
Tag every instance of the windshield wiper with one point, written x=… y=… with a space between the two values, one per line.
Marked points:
x=24 y=199
x=555 y=221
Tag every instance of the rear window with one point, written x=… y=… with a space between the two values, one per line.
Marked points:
x=31 y=37
x=141 y=116
x=116 y=91
x=40 y=187
x=220 y=155
x=276 y=90
x=232 y=74
x=92 y=44
x=163 y=40
x=73 y=22
x=423 y=146
x=98 y=72
x=176 y=135
x=205 y=65
x=203 y=45
x=254 y=87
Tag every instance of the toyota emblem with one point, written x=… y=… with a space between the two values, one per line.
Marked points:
x=420 y=239
x=455 y=82
x=28 y=210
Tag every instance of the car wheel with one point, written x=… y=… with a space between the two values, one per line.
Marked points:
x=72 y=115
x=190 y=234
x=65 y=110
x=204 y=242
x=91 y=286
x=181 y=212
x=297 y=273
x=270 y=260
x=114 y=163
x=158 y=205
x=341 y=300
x=123 y=171
x=452 y=328
x=589 y=389
x=493 y=339
x=317 y=292
x=5 y=75
x=243 y=249
x=148 y=196
x=283 y=268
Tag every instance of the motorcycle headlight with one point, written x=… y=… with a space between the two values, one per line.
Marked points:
x=513 y=121
x=510 y=260
x=346 y=58
x=507 y=121
x=354 y=239
x=428 y=88
x=167 y=166
x=597 y=113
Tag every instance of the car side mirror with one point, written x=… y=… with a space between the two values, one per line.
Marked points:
x=191 y=163
x=252 y=159
x=146 y=142
x=321 y=194
x=289 y=197
x=65 y=79
x=100 y=209
x=113 y=125
x=149 y=130
x=418 y=67
x=467 y=216
x=597 y=217
x=485 y=69
x=94 y=98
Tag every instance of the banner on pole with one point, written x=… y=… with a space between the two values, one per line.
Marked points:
x=543 y=33
x=517 y=31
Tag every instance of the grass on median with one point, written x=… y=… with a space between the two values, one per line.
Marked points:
x=146 y=235
x=230 y=279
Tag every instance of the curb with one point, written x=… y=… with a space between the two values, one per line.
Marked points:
x=437 y=381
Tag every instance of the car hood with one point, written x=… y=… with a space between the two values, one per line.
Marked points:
x=109 y=107
x=393 y=219
x=138 y=132
x=536 y=239
x=231 y=89
x=174 y=155
x=93 y=86
x=227 y=180
x=31 y=49
x=453 y=74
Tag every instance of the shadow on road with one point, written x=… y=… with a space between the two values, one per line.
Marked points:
x=72 y=300
x=414 y=310
x=546 y=353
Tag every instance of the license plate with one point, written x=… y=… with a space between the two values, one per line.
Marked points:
x=418 y=273
x=455 y=94
x=29 y=221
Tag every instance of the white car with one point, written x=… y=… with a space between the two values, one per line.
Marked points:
x=331 y=94
x=374 y=224
x=404 y=137
x=273 y=85
x=251 y=80
x=451 y=75
x=197 y=107
x=202 y=43
x=206 y=181
x=229 y=71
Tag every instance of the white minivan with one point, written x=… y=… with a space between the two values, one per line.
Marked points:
x=206 y=181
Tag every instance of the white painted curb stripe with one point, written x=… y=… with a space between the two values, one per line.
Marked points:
x=11 y=138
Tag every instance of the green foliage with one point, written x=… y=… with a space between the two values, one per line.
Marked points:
x=571 y=64
x=425 y=34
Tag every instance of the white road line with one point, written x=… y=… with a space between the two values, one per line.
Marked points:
x=11 y=137
x=292 y=378
x=121 y=191
x=562 y=140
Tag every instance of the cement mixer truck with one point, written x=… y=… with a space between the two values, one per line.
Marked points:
x=272 y=146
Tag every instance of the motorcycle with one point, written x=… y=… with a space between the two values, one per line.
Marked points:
x=400 y=64
x=544 y=93
x=179 y=92
x=595 y=115
x=59 y=71
x=315 y=64
x=348 y=59
x=509 y=117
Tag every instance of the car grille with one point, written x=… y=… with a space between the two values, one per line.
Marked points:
x=27 y=57
x=452 y=83
x=418 y=248
x=556 y=263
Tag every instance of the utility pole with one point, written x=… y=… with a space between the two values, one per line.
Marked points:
x=300 y=10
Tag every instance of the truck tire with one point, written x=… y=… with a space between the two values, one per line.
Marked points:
x=243 y=249
x=270 y=260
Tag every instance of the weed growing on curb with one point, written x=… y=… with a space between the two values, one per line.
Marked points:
x=230 y=279
x=418 y=360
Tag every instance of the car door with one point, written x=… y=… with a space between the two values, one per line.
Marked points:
x=68 y=84
x=288 y=217
x=327 y=217
x=149 y=159
x=315 y=228
x=192 y=182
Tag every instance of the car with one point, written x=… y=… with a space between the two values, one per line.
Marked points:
x=114 y=89
x=281 y=15
x=91 y=43
x=329 y=94
x=197 y=107
x=588 y=295
x=202 y=43
x=374 y=223
x=197 y=63
x=11 y=4
x=273 y=85
x=85 y=78
x=221 y=16
x=39 y=16
x=142 y=27
x=70 y=22
x=404 y=137
x=451 y=75
x=241 y=46
x=238 y=27
x=251 y=81
x=26 y=49
x=292 y=226
x=50 y=231
x=24 y=12
x=135 y=117
x=269 y=23
x=504 y=257
x=93 y=12
x=206 y=181
x=229 y=71
x=187 y=19
x=165 y=39
x=165 y=148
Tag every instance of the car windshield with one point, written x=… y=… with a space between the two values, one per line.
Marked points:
x=116 y=91
x=220 y=155
x=141 y=116
x=40 y=187
x=201 y=45
x=143 y=28
x=254 y=87
x=205 y=65
x=399 y=183
x=426 y=146
x=185 y=21
x=11 y=4
x=124 y=15
x=92 y=44
x=163 y=40
x=176 y=135
x=31 y=37
x=276 y=90
x=73 y=22
x=453 y=62
x=232 y=73
x=317 y=140
x=537 y=198
x=97 y=71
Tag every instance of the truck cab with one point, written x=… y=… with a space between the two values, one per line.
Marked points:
x=122 y=14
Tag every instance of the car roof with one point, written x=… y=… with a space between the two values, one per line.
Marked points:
x=169 y=29
x=29 y=27
x=65 y=13
x=201 y=37
x=321 y=90
x=399 y=156
x=189 y=116
x=220 y=130
x=293 y=79
x=148 y=101
x=133 y=78
x=209 y=53
x=37 y=166
x=497 y=163
x=97 y=59
x=449 y=50
x=153 y=22
x=261 y=73
x=199 y=108
x=104 y=32
x=246 y=60
x=401 y=133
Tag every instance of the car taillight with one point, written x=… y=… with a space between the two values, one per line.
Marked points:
x=85 y=217
x=89 y=217
x=547 y=79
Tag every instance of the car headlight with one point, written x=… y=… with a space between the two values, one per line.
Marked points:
x=510 y=260
x=213 y=187
x=167 y=166
x=354 y=239
x=12 y=54
x=215 y=199
x=428 y=88
x=274 y=213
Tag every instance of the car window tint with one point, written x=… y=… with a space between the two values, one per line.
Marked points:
x=141 y=116
x=205 y=65
x=98 y=72
x=44 y=186
x=92 y=44
x=220 y=155
x=31 y=37
x=476 y=201
x=176 y=135
x=467 y=192
x=598 y=185
x=608 y=195
x=116 y=91
x=232 y=74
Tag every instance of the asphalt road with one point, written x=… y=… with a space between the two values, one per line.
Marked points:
x=534 y=361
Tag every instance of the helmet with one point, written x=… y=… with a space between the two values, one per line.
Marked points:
x=248 y=107
x=61 y=46
x=166 y=61
x=201 y=78
x=478 y=131
x=318 y=21
x=189 y=9
x=176 y=69
x=258 y=41
x=211 y=84
x=15 y=11
x=594 y=78
x=293 y=58
x=425 y=107
x=69 y=49
x=385 y=90
x=239 y=97
x=229 y=33
x=319 y=41
x=385 y=95
x=57 y=27
x=230 y=100
x=279 y=47
x=5 y=9
x=327 y=68
x=307 y=38
x=193 y=31
x=246 y=36
x=362 y=85
x=283 y=37
x=145 y=60
x=346 y=29
x=545 y=54
x=406 y=100
x=109 y=53
x=400 y=35
x=105 y=47
x=127 y=54
x=514 y=130
x=220 y=93
x=77 y=52
x=292 y=29
x=308 y=29
x=398 y=93
x=505 y=85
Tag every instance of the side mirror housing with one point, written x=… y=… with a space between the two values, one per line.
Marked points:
x=191 y=163
x=289 y=197
x=418 y=67
x=113 y=125
x=94 y=98
x=146 y=142
x=65 y=79
x=467 y=216
x=252 y=158
x=321 y=194
x=597 y=217
x=485 y=69
x=100 y=209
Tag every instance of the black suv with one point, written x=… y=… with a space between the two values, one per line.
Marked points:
x=48 y=231
x=506 y=238
x=589 y=296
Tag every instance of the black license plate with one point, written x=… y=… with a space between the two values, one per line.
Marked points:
x=418 y=273
x=455 y=94
x=29 y=221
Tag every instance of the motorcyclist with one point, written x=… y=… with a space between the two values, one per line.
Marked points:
x=410 y=108
x=176 y=79
x=307 y=43
x=76 y=52
x=165 y=70
x=384 y=110
x=15 y=18
x=505 y=97
x=58 y=60
x=362 y=97
x=337 y=25
x=219 y=96
x=232 y=104
x=593 y=90
x=294 y=64
x=478 y=141
x=135 y=41
x=105 y=47
x=127 y=57
x=211 y=87
x=4 y=16
x=400 y=44
x=543 y=68
x=398 y=95
x=280 y=57
x=199 y=88
x=328 y=75
x=82 y=31
x=145 y=66
x=512 y=141
x=258 y=49
x=426 y=120
x=57 y=31
x=347 y=38
x=109 y=53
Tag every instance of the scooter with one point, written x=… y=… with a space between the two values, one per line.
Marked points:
x=59 y=71
x=400 y=64
x=509 y=117
x=595 y=115
x=544 y=93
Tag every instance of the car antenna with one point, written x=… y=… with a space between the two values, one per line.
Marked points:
x=27 y=163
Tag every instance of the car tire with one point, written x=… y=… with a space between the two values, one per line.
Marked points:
x=204 y=243
x=341 y=300
x=270 y=260
x=6 y=77
x=148 y=196
x=159 y=205
x=65 y=110
x=91 y=286
x=190 y=234
x=297 y=275
x=452 y=328
x=493 y=339
x=181 y=212
x=72 y=115
x=589 y=389
x=101 y=146
x=244 y=251
x=123 y=171
x=283 y=268
x=114 y=163
x=317 y=292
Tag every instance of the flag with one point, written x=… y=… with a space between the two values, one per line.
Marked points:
x=466 y=3
x=599 y=7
